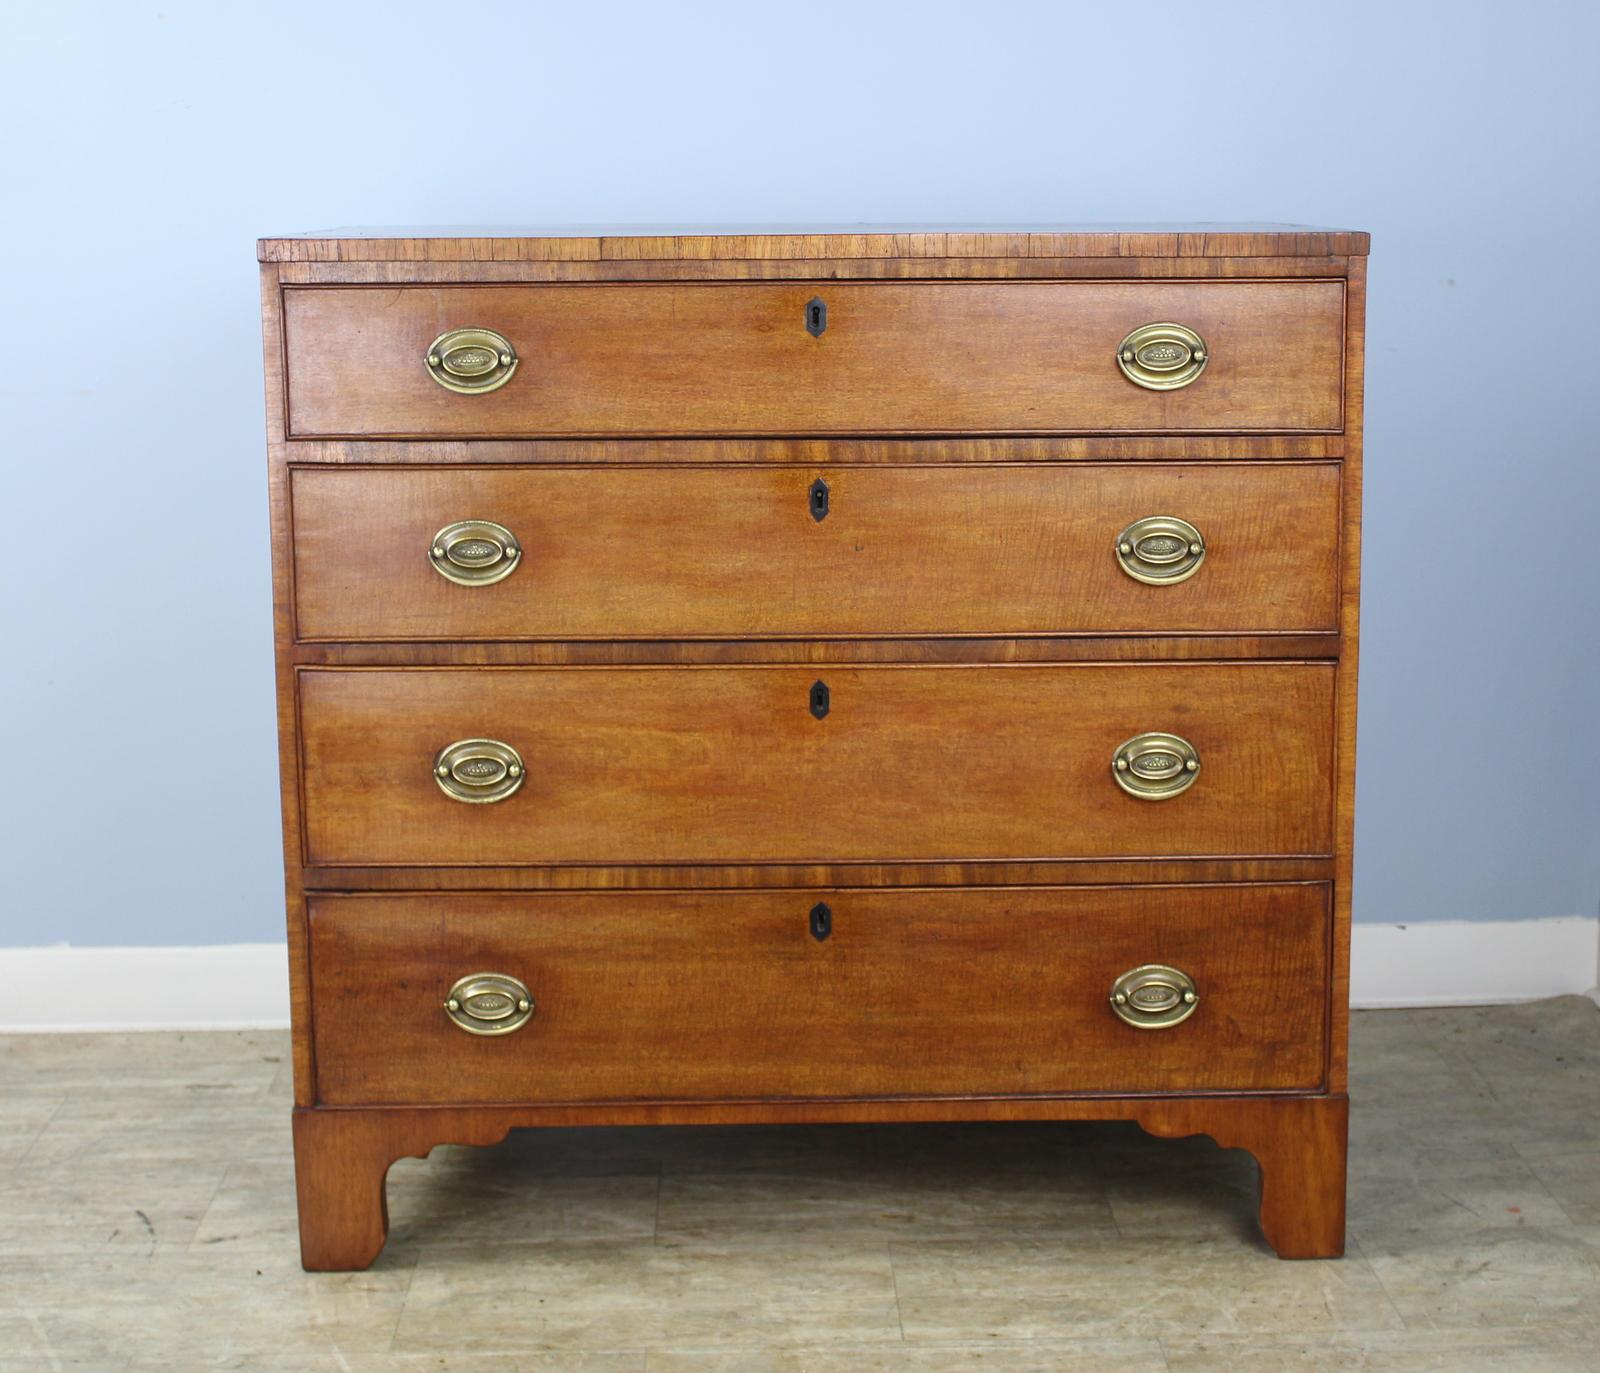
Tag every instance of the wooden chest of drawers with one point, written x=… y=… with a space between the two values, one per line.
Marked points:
x=829 y=676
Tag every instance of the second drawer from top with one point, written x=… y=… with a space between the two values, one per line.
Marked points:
x=474 y=553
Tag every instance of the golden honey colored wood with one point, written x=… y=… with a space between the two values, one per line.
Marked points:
x=728 y=765
x=652 y=661
x=935 y=358
x=736 y=552
x=700 y=996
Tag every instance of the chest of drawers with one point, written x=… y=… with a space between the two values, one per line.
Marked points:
x=814 y=677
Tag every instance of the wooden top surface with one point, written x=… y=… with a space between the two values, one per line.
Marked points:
x=589 y=243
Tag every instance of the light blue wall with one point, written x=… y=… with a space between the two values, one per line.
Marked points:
x=145 y=149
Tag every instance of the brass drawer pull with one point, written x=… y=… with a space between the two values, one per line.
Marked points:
x=1162 y=357
x=474 y=552
x=1160 y=550
x=1155 y=767
x=1154 y=997
x=478 y=771
x=471 y=361
x=489 y=1004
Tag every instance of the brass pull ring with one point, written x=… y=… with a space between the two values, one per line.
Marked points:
x=1155 y=767
x=471 y=361
x=478 y=771
x=474 y=552
x=1154 y=997
x=489 y=1004
x=1162 y=357
x=1160 y=550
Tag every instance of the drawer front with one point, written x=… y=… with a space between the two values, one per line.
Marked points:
x=715 y=764
x=738 y=359
x=642 y=553
x=685 y=996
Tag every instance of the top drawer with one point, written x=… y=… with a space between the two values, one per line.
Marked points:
x=743 y=359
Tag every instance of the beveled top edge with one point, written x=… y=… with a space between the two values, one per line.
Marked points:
x=683 y=242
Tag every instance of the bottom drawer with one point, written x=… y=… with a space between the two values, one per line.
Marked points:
x=707 y=995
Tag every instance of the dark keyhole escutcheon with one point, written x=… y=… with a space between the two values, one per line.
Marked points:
x=821 y=921
x=819 y=500
x=819 y=699
x=816 y=316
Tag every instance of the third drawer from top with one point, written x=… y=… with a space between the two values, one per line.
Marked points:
x=815 y=763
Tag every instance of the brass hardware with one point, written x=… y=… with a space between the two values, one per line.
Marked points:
x=478 y=771
x=1160 y=550
x=1154 y=997
x=474 y=552
x=1155 y=767
x=489 y=1004
x=1162 y=357
x=471 y=361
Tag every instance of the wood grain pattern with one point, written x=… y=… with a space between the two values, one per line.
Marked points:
x=671 y=996
x=284 y=673
x=1005 y=406
x=343 y=1155
x=804 y=451
x=1344 y=731
x=672 y=765
x=736 y=552
x=728 y=876
x=1083 y=648
x=734 y=359
x=1189 y=242
x=479 y=270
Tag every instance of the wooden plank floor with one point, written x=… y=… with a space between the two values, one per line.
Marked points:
x=147 y=1223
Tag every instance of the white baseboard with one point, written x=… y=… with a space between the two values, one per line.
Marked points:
x=1468 y=963
x=246 y=986
x=217 y=987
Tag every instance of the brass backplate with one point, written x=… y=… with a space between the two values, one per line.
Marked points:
x=1154 y=997
x=471 y=361
x=1160 y=550
x=489 y=1004
x=474 y=552
x=478 y=771
x=1163 y=357
x=1155 y=766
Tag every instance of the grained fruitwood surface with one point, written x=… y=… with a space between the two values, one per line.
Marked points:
x=728 y=765
x=733 y=358
x=720 y=552
x=922 y=992
x=652 y=657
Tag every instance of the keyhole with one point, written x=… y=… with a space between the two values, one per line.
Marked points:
x=821 y=921
x=816 y=316
x=819 y=500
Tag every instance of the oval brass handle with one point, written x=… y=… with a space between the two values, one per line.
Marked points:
x=471 y=361
x=1162 y=357
x=1154 y=997
x=489 y=1004
x=1155 y=767
x=478 y=771
x=474 y=552
x=1160 y=550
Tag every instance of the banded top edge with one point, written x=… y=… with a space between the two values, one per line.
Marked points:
x=583 y=243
